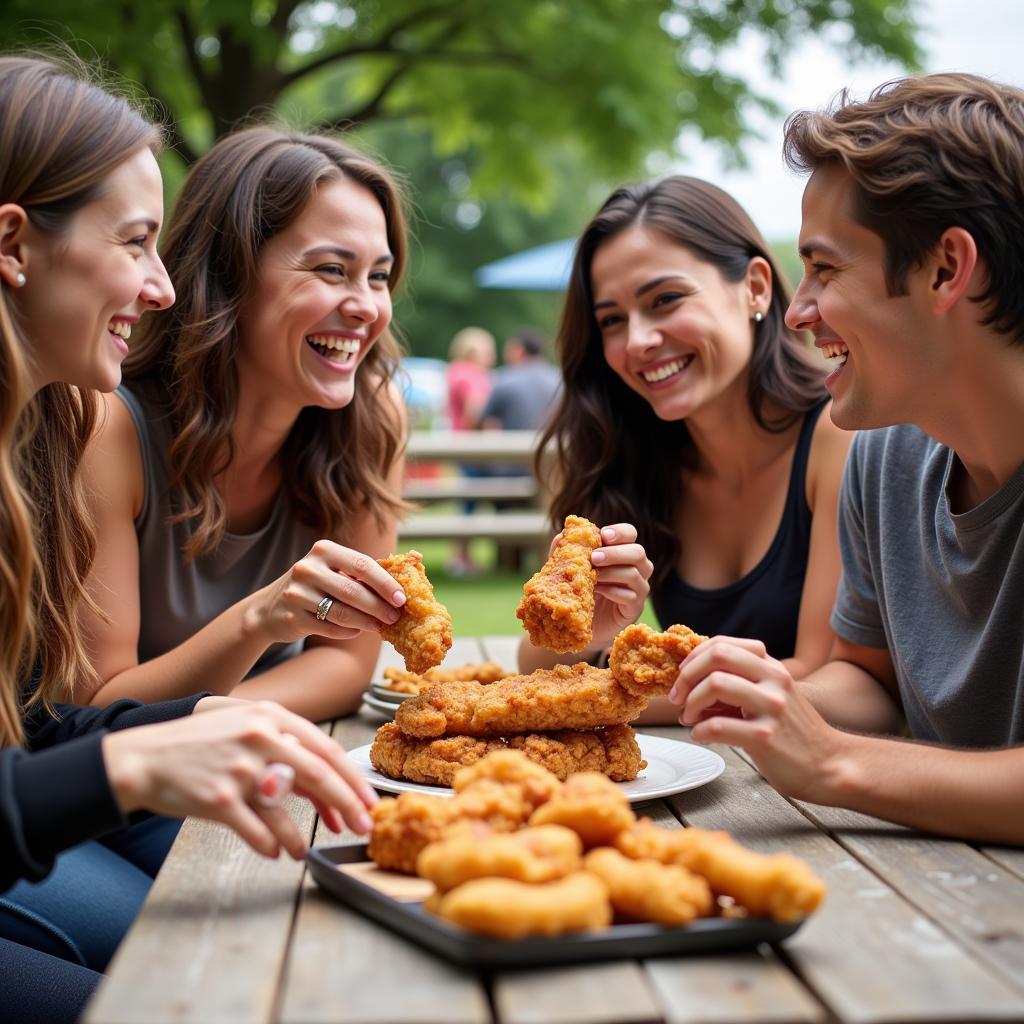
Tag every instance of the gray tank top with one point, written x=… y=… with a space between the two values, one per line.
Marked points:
x=177 y=598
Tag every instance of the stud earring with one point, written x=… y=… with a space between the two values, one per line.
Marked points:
x=758 y=317
x=21 y=280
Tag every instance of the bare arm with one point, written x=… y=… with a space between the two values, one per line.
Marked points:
x=320 y=682
x=826 y=462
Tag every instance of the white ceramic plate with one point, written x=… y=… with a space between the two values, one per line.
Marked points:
x=672 y=767
x=382 y=692
x=387 y=708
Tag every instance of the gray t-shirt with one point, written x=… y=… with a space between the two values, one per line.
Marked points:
x=177 y=598
x=524 y=395
x=943 y=592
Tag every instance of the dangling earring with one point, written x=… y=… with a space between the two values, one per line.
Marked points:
x=758 y=317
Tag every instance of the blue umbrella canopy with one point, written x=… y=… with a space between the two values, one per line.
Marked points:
x=544 y=268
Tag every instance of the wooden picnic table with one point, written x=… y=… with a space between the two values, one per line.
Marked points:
x=915 y=928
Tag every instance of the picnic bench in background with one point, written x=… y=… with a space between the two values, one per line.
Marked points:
x=519 y=517
x=915 y=929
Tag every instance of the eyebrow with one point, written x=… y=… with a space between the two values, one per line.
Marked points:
x=147 y=221
x=813 y=246
x=345 y=254
x=642 y=290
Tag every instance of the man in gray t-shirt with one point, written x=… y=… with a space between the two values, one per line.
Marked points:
x=913 y=248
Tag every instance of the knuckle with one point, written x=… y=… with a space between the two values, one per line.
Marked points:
x=221 y=795
x=320 y=548
x=361 y=564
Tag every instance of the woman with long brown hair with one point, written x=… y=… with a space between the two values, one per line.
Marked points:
x=247 y=475
x=80 y=207
x=691 y=419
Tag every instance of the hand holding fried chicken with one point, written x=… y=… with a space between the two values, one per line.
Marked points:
x=423 y=632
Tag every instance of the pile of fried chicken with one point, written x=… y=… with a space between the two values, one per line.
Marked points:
x=517 y=852
x=569 y=718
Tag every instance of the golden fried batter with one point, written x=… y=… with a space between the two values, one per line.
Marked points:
x=647 y=890
x=564 y=697
x=533 y=783
x=432 y=762
x=557 y=609
x=646 y=662
x=506 y=909
x=778 y=886
x=612 y=751
x=592 y=806
x=530 y=855
x=402 y=681
x=423 y=632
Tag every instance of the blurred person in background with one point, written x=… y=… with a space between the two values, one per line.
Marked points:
x=472 y=354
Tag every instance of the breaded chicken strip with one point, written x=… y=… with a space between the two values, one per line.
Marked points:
x=564 y=697
x=646 y=890
x=506 y=909
x=646 y=662
x=557 y=609
x=529 y=855
x=402 y=681
x=423 y=632
x=778 y=886
x=592 y=806
x=432 y=762
x=612 y=751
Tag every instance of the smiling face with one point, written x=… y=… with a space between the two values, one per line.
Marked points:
x=672 y=327
x=89 y=286
x=885 y=367
x=322 y=300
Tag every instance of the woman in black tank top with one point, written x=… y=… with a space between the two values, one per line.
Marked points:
x=691 y=413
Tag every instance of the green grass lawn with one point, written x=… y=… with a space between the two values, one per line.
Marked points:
x=483 y=605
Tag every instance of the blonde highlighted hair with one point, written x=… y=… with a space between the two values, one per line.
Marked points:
x=61 y=135
x=248 y=188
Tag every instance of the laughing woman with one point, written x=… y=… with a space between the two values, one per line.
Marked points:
x=692 y=419
x=247 y=474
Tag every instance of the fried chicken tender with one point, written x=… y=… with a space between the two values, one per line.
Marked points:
x=533 y=784
x=647 y=890
x=557 y=609
x=646 y=662
x=507 y=909
x=423 y=632
x=534 y=855
x=564 y=697
x=403 y=827
x=779 y=886
x=592 y=806
x=432 y=762
x=402 y=681
x=612 y=751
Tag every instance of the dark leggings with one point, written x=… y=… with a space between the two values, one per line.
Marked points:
x=37 y=988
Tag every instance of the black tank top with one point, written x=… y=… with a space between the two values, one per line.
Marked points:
x=765 y=604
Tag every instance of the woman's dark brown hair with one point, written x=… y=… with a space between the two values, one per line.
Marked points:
x=61 y=136
x=248 y=188
x=615 y=461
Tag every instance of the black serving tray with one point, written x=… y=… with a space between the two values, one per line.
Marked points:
x=403 y=913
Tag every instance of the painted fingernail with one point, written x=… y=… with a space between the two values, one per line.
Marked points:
x=673 y=695
x=608 y=534
x=394 y=615
x=598 y=556
x=363 y=822
x=398 y=597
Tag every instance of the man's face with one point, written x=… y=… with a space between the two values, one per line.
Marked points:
x=885 y=367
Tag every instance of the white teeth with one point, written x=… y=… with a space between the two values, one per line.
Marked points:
x=653 y=376
x=349 y=346
x=121 y=328
x=834 y=349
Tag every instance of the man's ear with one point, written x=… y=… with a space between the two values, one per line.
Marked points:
x=13 y=227
x=951 y=268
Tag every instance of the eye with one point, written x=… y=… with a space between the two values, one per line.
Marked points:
x=331 y=269
x=608 y=320
x=664 y=298
x=381 y=277
x=139 y=241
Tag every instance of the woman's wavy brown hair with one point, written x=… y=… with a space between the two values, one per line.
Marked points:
x=248 y=188
x=925 y=154
x=614 y=460
x=61 y=135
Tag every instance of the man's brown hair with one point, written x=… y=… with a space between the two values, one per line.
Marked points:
x=928 y=153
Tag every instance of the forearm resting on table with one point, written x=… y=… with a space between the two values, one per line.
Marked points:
x=964 y=793
x=849 y=697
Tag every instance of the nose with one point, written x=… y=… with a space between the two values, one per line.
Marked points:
x=643 y=336
x=157 y=291
x=360 y=303
x=802 y=314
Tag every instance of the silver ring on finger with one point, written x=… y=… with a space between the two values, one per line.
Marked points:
x=273 y=784
x=323 y=609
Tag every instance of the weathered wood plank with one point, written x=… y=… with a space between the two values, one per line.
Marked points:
x=449 y=488
x=217 y=911
x=727 y=987
x=522 y=527
x=472 y=445
x=1011 y=859
x=868 y=954
x=345 y=969
x=605 y=993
